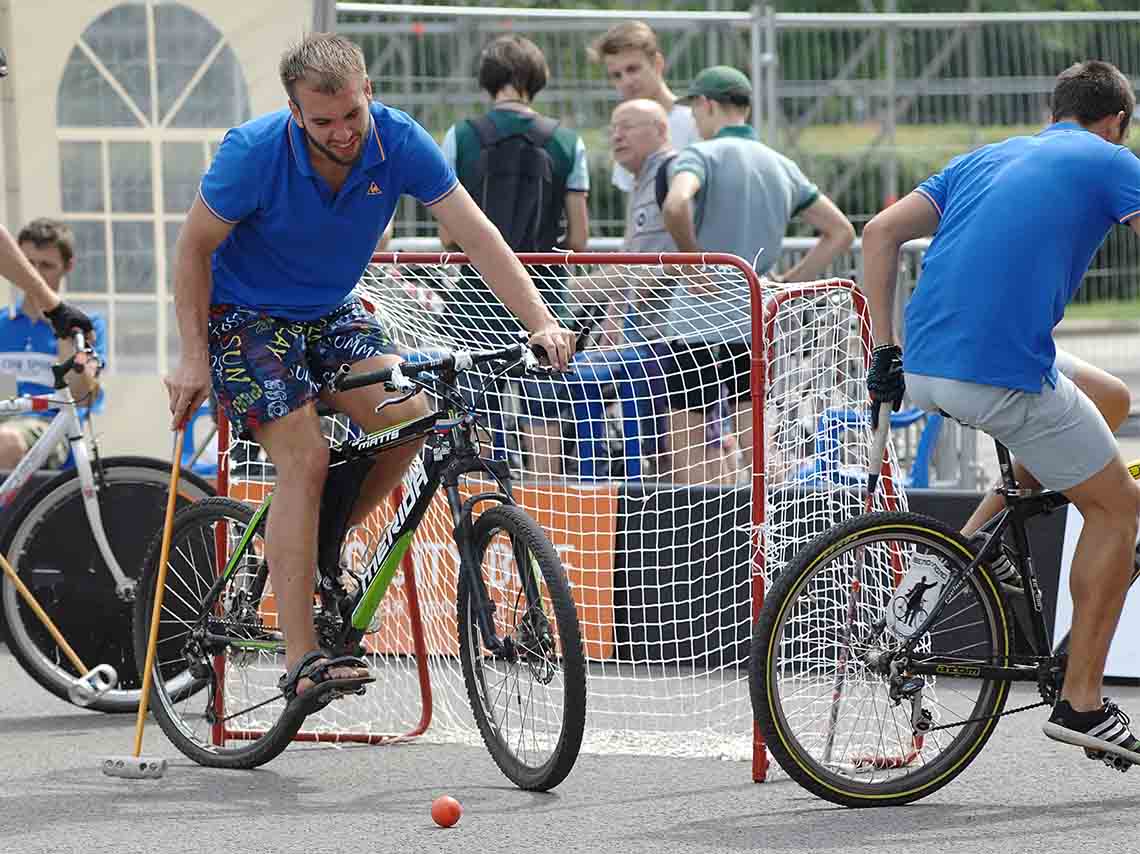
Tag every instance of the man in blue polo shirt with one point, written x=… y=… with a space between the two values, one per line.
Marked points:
x=1015 y=227
x=284 y=224
x=29 y=346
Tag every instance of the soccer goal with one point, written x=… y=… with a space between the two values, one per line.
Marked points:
x=674 y=475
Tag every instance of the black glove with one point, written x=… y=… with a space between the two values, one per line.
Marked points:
x=885 y=380
x=67 y=318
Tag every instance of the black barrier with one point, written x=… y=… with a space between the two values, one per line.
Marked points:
x=682 y=584
x=682 y=580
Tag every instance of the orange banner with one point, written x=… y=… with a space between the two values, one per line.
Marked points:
x=580 y=521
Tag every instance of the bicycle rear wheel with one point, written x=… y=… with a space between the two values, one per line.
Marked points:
x=529 y=700
x=50 y=545
x=820 y=694
x=219 y=652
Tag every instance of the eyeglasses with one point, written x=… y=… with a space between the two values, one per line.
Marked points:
x=625 y=127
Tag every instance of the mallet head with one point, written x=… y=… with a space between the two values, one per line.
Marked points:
x=91 y=685
x=134 y=767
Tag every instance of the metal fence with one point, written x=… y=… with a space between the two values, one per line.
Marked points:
x=868 y=104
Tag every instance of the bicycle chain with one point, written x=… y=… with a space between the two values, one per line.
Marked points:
x=985 y=717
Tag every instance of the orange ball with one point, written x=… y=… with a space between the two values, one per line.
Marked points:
x=445 y=811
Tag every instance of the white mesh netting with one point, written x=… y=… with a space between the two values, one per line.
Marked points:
x=640 y=468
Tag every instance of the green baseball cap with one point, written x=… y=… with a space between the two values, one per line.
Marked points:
x=720 y=83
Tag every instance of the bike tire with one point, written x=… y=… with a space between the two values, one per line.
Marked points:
x=485 y=683
x=184 y=698
x=976 y=619
x=49 y=543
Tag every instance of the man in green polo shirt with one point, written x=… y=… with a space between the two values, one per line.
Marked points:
x=730 y=193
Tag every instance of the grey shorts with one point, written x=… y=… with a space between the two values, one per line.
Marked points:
x=1059 y=434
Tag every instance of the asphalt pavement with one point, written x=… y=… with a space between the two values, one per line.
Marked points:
x=1024 y=794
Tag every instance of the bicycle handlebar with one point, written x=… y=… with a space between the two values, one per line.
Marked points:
x=400 y=376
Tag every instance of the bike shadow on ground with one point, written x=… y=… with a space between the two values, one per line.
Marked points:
x=74 y=724
x=824 y=827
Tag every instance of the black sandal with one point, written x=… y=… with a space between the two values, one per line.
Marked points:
x=315 y=667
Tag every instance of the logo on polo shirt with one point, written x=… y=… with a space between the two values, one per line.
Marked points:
x=373 y=190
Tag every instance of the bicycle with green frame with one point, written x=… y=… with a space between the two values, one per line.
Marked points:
x=520 y=646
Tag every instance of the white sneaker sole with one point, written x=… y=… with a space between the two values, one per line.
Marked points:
x=1080 y=739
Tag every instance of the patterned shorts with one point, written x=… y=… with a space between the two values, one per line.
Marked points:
x=265 y=367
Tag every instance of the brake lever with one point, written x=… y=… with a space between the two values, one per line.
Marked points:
x=392 y=401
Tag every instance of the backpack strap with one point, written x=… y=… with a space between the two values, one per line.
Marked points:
x=661 y=180
x=485 y=129
x=541 y=130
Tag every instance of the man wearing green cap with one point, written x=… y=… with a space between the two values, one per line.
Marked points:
x=730 y=193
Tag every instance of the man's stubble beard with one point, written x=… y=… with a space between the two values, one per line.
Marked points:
x=323 y=149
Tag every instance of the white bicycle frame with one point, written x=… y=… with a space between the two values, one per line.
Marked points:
x=66 y=423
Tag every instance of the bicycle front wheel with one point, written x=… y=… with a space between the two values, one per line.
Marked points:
x=820 y=675
x=219 y=652
x=528 y=698
x=50 y=545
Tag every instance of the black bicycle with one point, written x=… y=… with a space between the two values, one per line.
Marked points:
x=865 y=706
x=219 y=651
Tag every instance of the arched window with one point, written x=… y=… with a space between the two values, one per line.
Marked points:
x=148 y=92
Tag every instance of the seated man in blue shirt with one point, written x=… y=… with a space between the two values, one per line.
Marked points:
x=29 y=347
x=285 y=222
x=1015 y=227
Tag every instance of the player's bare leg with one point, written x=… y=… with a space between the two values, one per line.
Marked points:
x=360 y=405
x=1111 y=397
x=300 y=457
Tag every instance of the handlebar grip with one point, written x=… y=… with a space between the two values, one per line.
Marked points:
x=585 y=332
x=347 y=383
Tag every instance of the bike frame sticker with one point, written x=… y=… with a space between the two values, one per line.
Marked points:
x=393 y=547
x=368 y=604
x=916 y=594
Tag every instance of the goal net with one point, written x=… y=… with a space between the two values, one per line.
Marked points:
x=703 y=439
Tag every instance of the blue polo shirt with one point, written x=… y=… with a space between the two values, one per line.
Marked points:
x=1020 y=222
x=28 y=349
x=297 y=250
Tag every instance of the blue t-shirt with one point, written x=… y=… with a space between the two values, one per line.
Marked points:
x=296 y=250
x=1020 y=223
x=28 y=349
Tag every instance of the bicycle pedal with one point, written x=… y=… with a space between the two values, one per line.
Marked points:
x=1118 y=762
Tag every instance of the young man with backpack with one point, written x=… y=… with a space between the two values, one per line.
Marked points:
x=529 y=176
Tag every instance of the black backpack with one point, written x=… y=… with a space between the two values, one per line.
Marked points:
x=661 y=180
x=514 y=183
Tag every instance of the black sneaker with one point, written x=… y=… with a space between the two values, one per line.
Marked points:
x=1103 y=732
x=1001 y=567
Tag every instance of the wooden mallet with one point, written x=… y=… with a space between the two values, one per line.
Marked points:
x=138 y=767
x=90 y=684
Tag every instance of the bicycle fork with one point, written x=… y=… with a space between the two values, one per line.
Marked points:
x=464 y=534
x=482 y=603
